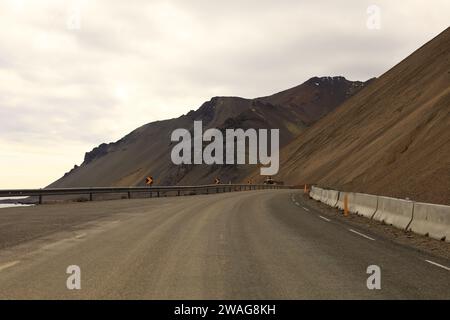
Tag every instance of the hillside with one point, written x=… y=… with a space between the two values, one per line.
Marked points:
x=392 y=138
x=146 y=150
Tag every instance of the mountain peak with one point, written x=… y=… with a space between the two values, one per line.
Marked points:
x=327 y=79
x=144 y=152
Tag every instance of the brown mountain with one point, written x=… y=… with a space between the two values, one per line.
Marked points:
x=146 y=150
x=392 y=138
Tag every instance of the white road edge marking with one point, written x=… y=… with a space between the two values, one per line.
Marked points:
x=438 y=265
x=326 y=219
x=361 y=234
x=306 y=209
x=8 y=265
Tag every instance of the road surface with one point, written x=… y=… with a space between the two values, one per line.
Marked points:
x=243 y=245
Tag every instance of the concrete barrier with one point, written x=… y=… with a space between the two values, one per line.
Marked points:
x=332 y=198
x=360 y=203
x=396 y=212
x=422 y=218
x=324 y=196
x=312 y=192
x=364 y=204
x=316 y=193
x=340 y=202
x=319 y=193
x=432 y=220
x=329 y=197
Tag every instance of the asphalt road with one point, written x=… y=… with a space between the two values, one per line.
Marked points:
x=244 y=245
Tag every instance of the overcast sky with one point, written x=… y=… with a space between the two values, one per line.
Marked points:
x=74 y=74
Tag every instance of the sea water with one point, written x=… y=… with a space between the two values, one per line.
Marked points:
x=13 y=205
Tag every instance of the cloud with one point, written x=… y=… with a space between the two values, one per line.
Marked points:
x=74 y=73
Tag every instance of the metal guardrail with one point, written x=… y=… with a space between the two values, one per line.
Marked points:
x=157 y=190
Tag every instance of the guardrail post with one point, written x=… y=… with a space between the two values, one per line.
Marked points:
x=158 y=194
x=90 y=197
x=178 y=192
x=40 y=199
x=129 y=195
